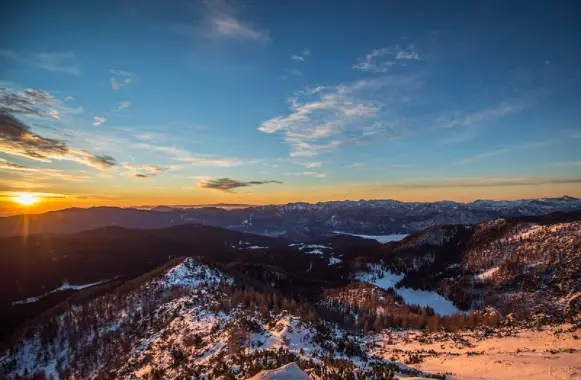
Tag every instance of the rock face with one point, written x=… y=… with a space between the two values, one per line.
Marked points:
x=290 y=371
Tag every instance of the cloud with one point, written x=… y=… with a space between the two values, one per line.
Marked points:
x=57 y=62
x=301 y=57
x=68 y=98
x=221 y=21
x=99 y=120
x=234 y=28
x=7 y=165
x=28 y=102
x=121 y=78
x=185 y=156
x=481 y=156
x=227 y=185
x=324 y=118
x=34 y=102
x=383 y=60
x=28 y=173
x=311 y=174
x=527 y=145
x=295 y=72
x=480 y=182
x=309 y=164
x=147 y=171
x=17 y=139
x=123 y=105
x=502 y=109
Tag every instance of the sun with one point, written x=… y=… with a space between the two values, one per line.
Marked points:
x=26 y=199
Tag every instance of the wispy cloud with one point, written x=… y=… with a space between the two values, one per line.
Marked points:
x=301 y=57
x=8 y=165
x=384 y=59
x=28 y=173
x=146 y=171
x=28 y=102
x=58 y=62
x=221 y=20
x=308 y=164
x=234 y=28
x=492 y=113
x=17 y=139
x=479 y=182
x=324 y=118
x=310 y=174
x=295 y=72
x=121 y=78
x=187 y=157
x=98 y=121
x=482 y=156
x=501 y=151
x=34 y=102
x=227 y=185
x=123 y=105
x=291 y=72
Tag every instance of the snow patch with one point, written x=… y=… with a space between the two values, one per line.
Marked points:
x=386 y=279
x=440 y=304
x=64 y=286
x=334 y=260
x=380 y=238
x=290 y=371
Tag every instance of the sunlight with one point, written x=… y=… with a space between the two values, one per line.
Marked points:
x=26 y=199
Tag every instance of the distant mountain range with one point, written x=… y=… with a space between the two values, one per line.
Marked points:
x=293 y=221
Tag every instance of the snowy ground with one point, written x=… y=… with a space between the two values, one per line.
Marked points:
x=553 y=353
x=439 y=303
x=380 y=238
x=64 y=286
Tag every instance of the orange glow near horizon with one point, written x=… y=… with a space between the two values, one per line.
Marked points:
x=26 y=199
x=34 y=203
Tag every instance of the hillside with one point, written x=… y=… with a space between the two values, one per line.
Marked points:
x=242 y=303
x=40 y=270
x=515 y=266
x=189 y=319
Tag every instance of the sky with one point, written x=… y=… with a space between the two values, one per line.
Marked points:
x=127 y=103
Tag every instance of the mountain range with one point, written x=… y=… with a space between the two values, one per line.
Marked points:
x=294 y=221
x=105 y=293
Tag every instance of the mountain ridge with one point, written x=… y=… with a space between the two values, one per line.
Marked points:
x=295 y=221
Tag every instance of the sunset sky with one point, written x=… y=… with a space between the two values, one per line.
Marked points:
x=194 y=102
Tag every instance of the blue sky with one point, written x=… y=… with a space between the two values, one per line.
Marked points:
x=409 y=100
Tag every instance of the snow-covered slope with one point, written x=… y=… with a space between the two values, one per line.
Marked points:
x=287 y=372
x=188 y=320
